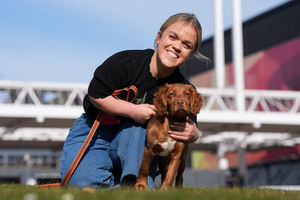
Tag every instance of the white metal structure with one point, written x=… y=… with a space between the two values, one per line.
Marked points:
x=265 y=110
x=219 y=57
x=55 y=105
x=238 y=53
x=34 y=104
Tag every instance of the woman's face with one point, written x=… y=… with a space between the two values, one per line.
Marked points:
x=176 y=44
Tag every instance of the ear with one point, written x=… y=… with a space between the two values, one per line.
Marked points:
x=196 y=101
x=160 y=100
x=158 y=36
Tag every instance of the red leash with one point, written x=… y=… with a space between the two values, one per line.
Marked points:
x=91 y=134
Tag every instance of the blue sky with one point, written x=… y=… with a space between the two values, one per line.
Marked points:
x=65 y=40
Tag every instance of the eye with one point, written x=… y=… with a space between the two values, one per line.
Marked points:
x=187 y=46
x=171 y=94
x=186 y=94
x=172 y=37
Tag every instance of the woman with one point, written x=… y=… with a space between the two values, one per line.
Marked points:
x=114 y=155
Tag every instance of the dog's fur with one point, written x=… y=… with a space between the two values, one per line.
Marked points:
x=174 y=102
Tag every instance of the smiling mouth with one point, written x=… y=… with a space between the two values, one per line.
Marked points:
x=172 y=54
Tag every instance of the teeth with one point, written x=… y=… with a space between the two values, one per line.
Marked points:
x=172 y=54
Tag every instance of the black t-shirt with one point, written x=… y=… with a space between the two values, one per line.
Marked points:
x=122 y=70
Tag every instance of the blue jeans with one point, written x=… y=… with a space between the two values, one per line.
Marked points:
x=112 y=158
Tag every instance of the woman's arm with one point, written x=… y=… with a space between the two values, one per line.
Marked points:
x=138 y=112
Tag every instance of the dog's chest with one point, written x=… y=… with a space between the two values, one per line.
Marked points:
x=167 y=147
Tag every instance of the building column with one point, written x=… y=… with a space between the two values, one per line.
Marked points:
x=219 y=58
x=238 y=53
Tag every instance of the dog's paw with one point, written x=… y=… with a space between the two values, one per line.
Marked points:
x=89 y=189
x=141 y=186
x=165 y=187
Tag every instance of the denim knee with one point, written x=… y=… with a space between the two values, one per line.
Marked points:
x=130 y=143
x=114 y=154
x=89 y=172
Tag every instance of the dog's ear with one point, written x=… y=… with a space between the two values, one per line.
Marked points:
x=160 y=100
x=196 y=101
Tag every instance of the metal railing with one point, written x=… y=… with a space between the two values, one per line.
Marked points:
x=256 y=100
x=64 y=101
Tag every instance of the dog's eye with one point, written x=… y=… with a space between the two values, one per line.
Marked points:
x=172 y=94
x=186 y=94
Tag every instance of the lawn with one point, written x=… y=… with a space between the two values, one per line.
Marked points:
x=16 y=192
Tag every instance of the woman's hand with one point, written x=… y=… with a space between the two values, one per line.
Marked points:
x=142 y=112
x=185 y=131
x=139 y=113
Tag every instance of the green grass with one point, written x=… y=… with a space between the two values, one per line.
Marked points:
x=15 y=192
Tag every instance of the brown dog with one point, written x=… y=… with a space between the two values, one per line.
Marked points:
x=174 y=102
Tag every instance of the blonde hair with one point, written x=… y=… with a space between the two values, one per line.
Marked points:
x=188 y=18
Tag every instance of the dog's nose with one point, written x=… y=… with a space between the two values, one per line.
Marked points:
x=180 y=102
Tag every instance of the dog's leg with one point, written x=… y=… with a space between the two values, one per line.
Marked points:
x=173 y=165
x=179 y=177
x=172 y=169
x=142 y=180
x=163 y=166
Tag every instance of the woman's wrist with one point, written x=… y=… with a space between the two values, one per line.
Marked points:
x=196 y=134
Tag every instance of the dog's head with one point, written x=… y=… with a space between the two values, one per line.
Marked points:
x=177 y=100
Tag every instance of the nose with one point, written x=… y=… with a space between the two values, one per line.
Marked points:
x=177 y=46
x=180 y=102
